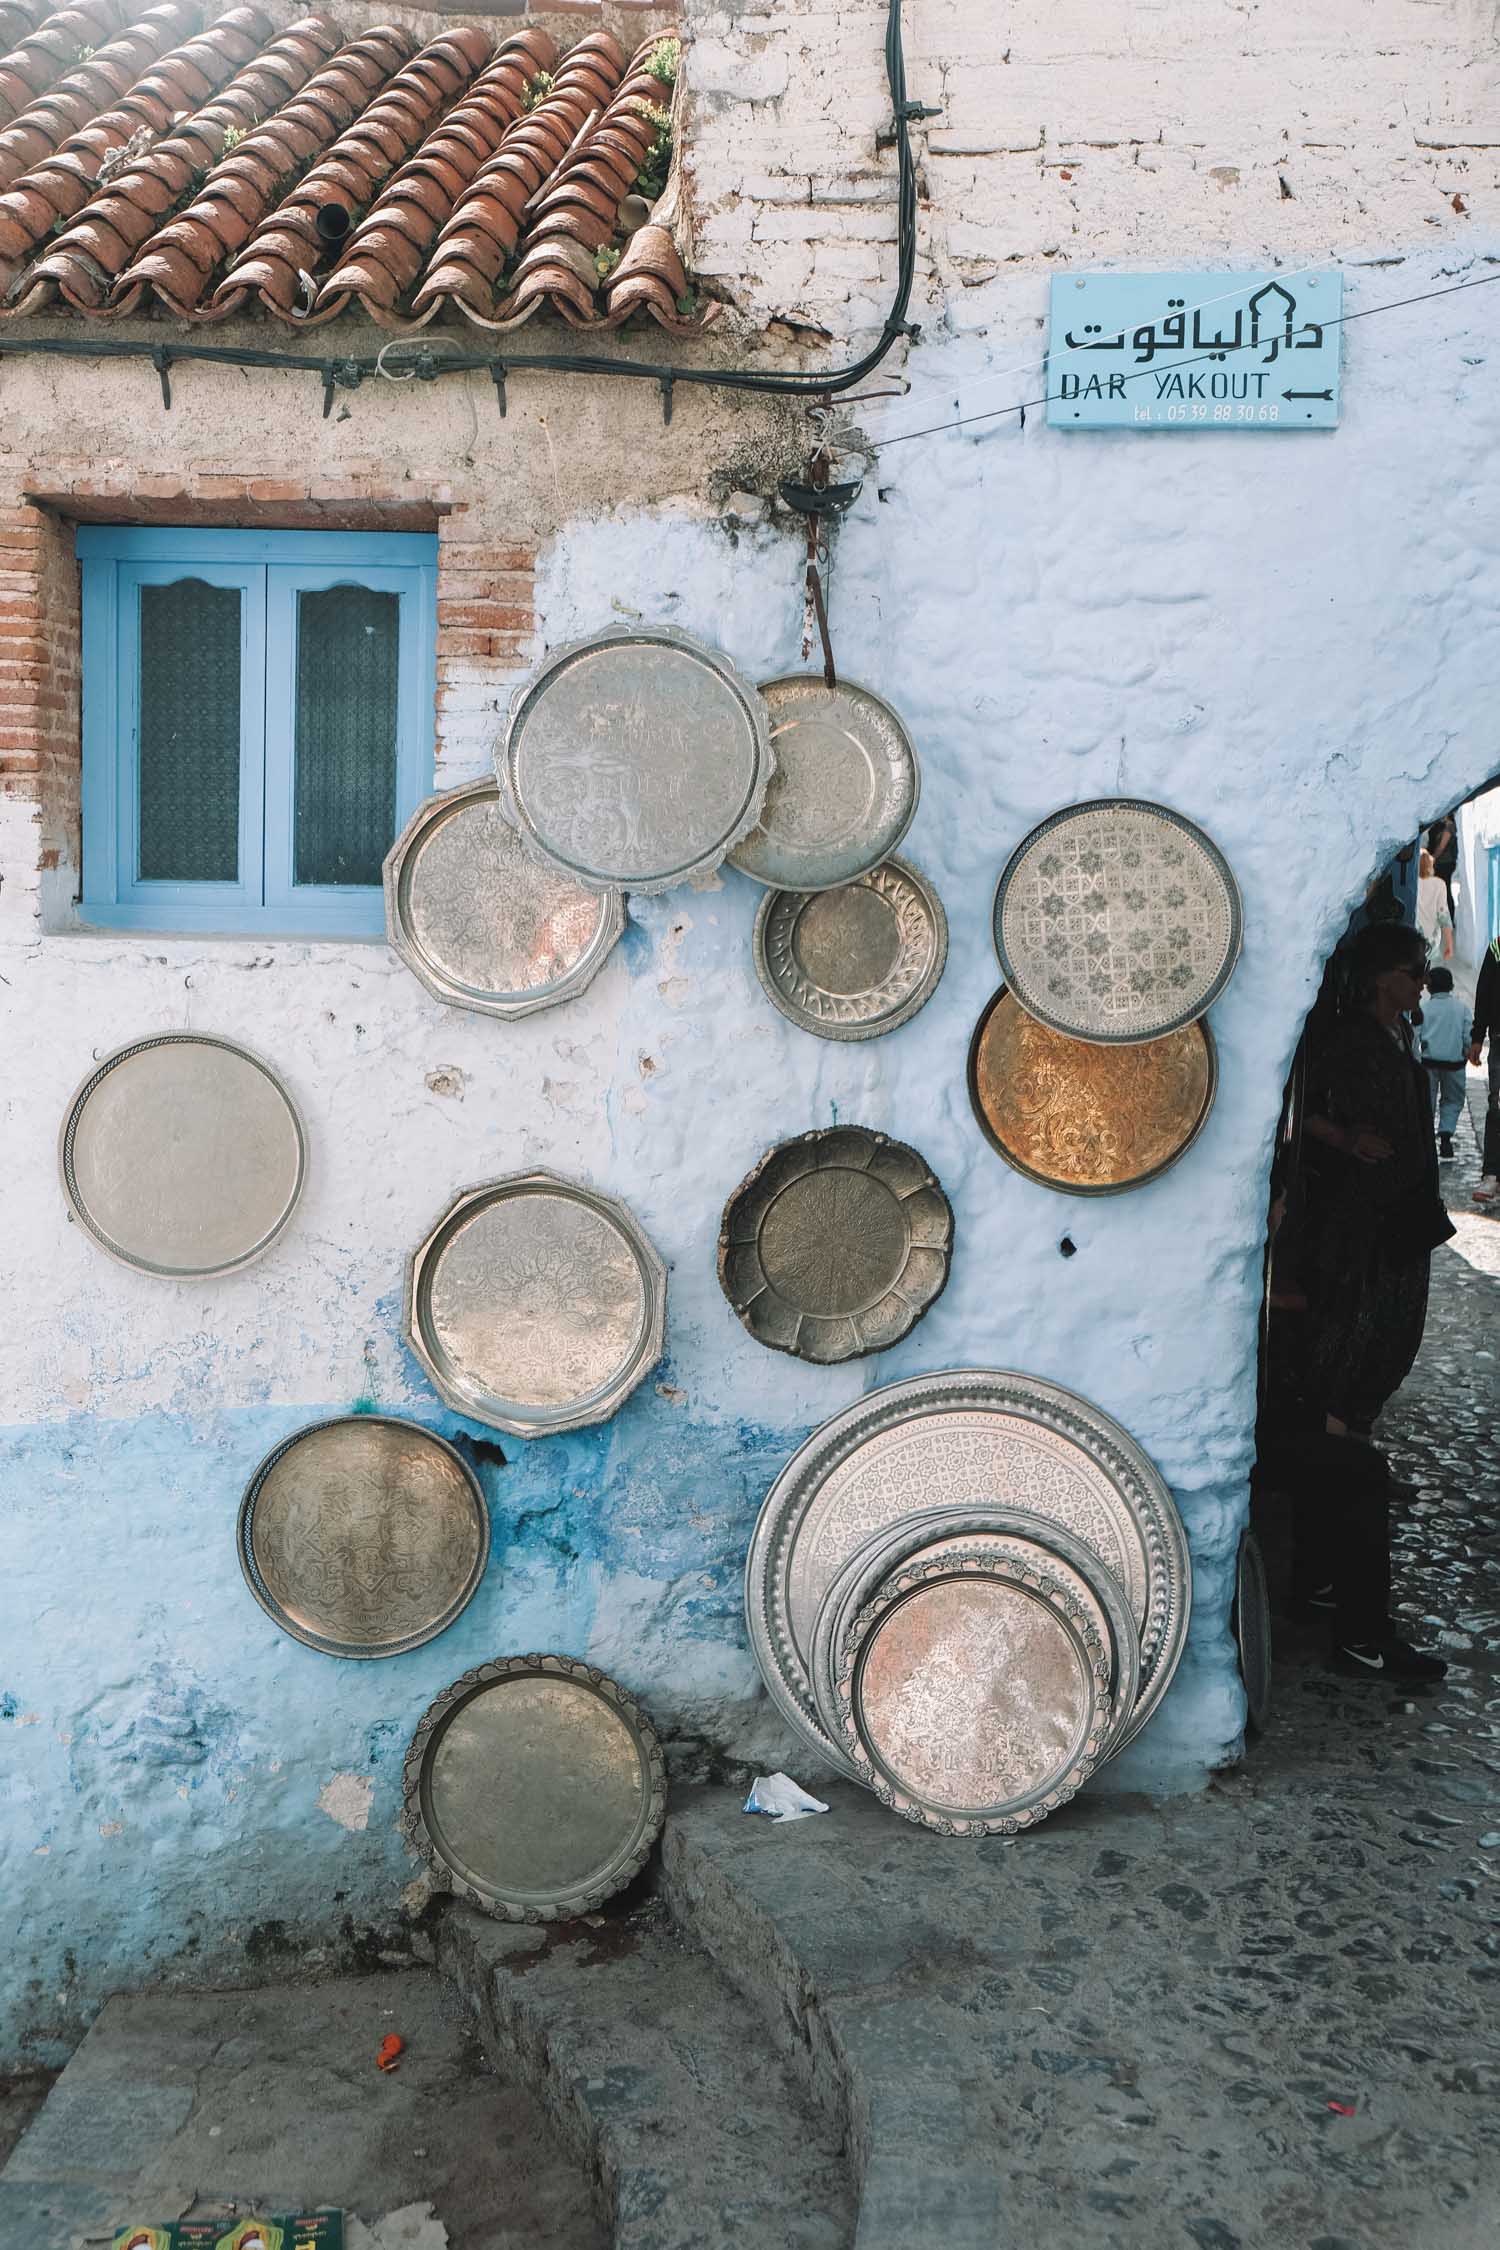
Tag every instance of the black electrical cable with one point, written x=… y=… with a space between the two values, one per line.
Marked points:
x=1134 y=374
x=349 y=371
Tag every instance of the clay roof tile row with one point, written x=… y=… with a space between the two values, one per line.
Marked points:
x=229 y=168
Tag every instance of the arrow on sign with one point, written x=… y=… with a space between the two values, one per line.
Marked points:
x=1309 y=394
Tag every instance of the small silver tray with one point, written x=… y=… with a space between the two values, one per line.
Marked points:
x=536 y=1305
x=855 y=962
x=363 y=1537
x=535 y=1787
x=183 y=1155
x=1250 y=1624
x=635 y=760
x=1117 y=920
x=479 y=921
x=933 y=1537
x=836 y=1244
x=974 y=1693
x=844 y=791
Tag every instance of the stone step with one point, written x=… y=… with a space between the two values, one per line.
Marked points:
x=800 y=1920
x=270 y=2099
x=659 y=2078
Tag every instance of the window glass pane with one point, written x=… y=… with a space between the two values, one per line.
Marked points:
x=346 y=734
x=190 y=733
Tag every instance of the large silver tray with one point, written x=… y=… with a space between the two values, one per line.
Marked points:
x=479 y=921
x=844 y=791
x=635 y=760
x=535 y=1787
x=974 y=1693
x=934 y=1536
x=363 y=1537
x=536 y=1305
x=855 y=962
x=183 y=1155
x=967 y=1438
x=836 y=1244
x=1117 y=920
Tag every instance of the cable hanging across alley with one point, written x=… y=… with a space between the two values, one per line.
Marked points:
x=336 y=371
x=1134 y=375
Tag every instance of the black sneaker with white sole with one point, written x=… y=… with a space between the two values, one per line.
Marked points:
x=1389 y=1658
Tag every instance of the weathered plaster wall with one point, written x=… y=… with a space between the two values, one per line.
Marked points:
x=1291 y=639
x=1070 y=132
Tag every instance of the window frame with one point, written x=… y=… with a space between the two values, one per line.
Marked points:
x=271 y=568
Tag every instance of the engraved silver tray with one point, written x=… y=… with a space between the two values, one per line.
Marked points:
x=933 y=1536
x=1250 y=1624
x=844 y=791
x=183 y=1155
x=536 y=1305
x=1117 y=920
x=535 y=1787
x=971 y=1437
x=635 y=760
x=479 y=921
x=364 y=1537
x=836 y=1244
x=855 y=962
x=974 y=1693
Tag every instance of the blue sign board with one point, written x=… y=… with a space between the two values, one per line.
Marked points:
x=1195 y=351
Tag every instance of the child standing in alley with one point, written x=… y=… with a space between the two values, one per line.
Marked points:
x=1443 y=1044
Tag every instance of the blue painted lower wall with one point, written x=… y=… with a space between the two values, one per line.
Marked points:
x=163 y=1746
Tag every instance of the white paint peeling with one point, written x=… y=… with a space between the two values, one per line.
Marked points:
x=347 y=1798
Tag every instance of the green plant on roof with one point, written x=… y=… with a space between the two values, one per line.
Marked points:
x=233 y=135
x=651 y=179
x=539 y=89
x=665 y=60
x=83 y=54
x=687 y=304
x=606 y=260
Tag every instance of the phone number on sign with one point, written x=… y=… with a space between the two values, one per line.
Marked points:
x=1208 y=414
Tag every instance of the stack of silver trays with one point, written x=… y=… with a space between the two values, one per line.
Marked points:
x=967 y=1591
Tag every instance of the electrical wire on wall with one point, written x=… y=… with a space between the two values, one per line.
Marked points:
x=425 y=364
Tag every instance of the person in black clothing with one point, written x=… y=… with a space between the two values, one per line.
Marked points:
x=1487 y=1027
x=1372 y=1217
x=1442 y=842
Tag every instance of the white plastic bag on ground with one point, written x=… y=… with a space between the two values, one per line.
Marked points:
x=778 y=1795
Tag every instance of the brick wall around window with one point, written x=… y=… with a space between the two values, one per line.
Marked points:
x=485 y=624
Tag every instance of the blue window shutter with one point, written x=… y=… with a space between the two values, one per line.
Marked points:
x=269 y=571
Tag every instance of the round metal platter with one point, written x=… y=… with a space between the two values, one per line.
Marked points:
x=974 y=1693
x=856 y=962
x=535 y=1786
x=836 y=1244
x=482 y=924
x=536 y=1305
x=935 y=1536
x=635 y=760
x=363 y=1537
x=844 y=790
x=1251 y=1627
x=967 y=1438
x=183 y=1155
x=1117 y=920
x=1084 y=1118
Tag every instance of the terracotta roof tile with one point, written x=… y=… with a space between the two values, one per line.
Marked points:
x=145 y=162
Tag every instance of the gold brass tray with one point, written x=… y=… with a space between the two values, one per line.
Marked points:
x=535 y=1787
x=363 y=1537
x=836 y=1244
x=1083 y=1118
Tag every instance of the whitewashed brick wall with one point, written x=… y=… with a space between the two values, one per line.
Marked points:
x=1078 y=132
